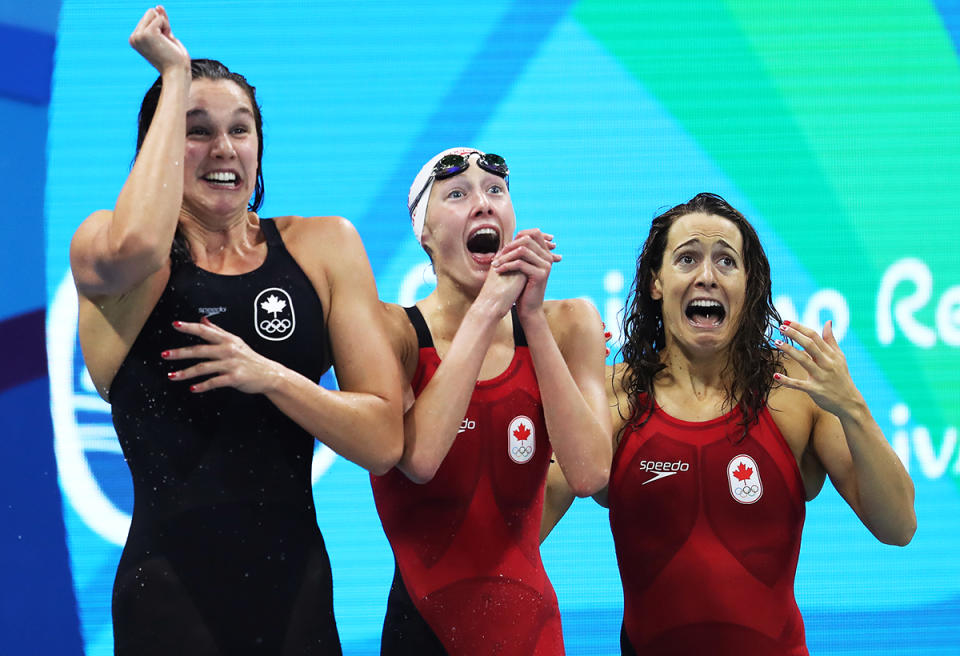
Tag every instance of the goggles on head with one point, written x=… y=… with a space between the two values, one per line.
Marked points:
x=455 y=164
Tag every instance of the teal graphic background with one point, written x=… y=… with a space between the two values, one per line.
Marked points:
x=833 y=126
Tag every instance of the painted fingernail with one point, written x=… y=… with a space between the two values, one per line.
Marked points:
x=786 y=323
x=777 y=376
x=193 y=388
x=608 y=334
x=778 y=342
x=177 y=324
x=172 y=375
x=784 y=327
x=165 y=354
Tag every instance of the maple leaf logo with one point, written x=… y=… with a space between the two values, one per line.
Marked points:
x=522 y=433
x=273 y=305
x=743 y=473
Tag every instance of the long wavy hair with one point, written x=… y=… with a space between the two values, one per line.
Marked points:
x=207 y=69
x=752 y=361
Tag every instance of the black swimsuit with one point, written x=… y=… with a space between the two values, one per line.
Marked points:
x=224 y=555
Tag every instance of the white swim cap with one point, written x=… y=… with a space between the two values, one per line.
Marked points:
x=422 y=184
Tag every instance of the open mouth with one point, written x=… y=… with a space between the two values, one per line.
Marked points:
x=705 y=313
x=225 y=179
x=484 y=242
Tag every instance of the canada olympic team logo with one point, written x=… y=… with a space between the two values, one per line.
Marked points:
x=273 y=314
x=93 y=474
x=744 y=479
x=521 y=441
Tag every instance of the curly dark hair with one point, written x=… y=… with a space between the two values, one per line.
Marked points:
x=207 y=69
x=753 y=360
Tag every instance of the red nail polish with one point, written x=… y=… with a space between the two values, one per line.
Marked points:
x=193 y=388
x=777 y=376
x=177 y=324
x=165 y=354
x=786 y=322
x=778 y=342
x=172 y=374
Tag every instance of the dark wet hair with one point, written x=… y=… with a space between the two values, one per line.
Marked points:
x=207 y=69
x=753 y=360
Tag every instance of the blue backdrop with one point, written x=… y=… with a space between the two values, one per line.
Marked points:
x=833 y=126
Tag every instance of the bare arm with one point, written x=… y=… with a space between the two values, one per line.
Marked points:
x=847 y=440
x=114 y=251
x=571 y=386
x=557 y=499
x=431 y=424
x=361 y=421
x=571 y=380
x=558 y=496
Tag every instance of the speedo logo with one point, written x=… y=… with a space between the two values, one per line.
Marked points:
x=662 y=468
x=467 y=424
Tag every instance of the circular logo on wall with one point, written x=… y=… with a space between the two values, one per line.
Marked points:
x=93 y=474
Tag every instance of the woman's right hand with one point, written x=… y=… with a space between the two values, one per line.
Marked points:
x=153 y=38
x=501 y=290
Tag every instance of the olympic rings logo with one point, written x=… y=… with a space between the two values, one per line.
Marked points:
x=521 y=439
x=282 y=321
x=747 y=490
x=275 y=325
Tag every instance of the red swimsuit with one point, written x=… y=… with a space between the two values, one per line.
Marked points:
x=467 y=542
x=707 y=532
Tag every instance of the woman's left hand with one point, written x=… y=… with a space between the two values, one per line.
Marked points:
x=828 y=380
x=531 y=253
x=227 y=360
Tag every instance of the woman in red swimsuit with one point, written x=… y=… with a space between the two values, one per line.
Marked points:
x=720 y=437
x=502 y=378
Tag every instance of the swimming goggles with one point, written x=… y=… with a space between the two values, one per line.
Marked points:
x=455 y=164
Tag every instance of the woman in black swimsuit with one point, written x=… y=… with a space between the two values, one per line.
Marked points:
x=224 y=555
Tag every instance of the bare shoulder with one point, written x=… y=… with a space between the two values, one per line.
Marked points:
x=617 y=396
x=329 y=250
x=402 y=336
x=328 y=233
x=570 y=311
x=396 y=320
x=572 y=319
x=616 y=375
x=793 y=411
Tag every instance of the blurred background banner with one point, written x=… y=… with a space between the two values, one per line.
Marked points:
x=835 y=127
